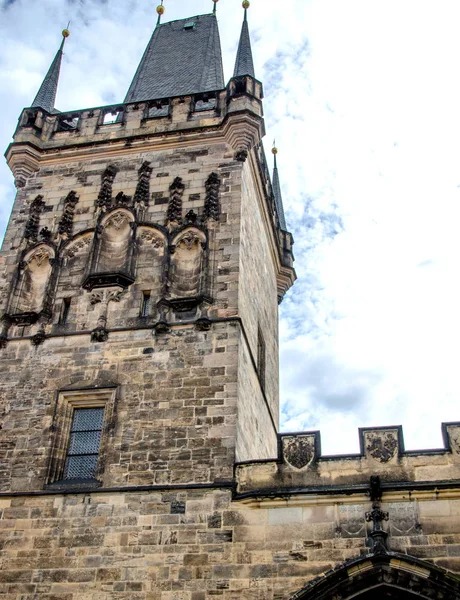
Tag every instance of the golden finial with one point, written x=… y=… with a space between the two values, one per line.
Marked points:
x=246 y=4
x=274 y=149
x=160 y=11
x=65 y=33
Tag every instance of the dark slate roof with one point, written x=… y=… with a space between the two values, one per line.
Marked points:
x=180 y=60
x=46 y=96
x=278 y=197
x=244 y=64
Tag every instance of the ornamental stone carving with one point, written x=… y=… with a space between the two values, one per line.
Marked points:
x=298 y=451
x=212 y=201
x=79 y=246
x=382 y=446
x=150 y=237
x=104 y=199
x=65 y=226
x=33 y=222
x=176 y=191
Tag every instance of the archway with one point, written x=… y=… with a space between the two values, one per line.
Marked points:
x=388 y=576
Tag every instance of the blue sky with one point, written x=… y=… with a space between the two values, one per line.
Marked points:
x=363 y=99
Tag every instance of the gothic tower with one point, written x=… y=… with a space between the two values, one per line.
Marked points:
x=140 y=235
x=142 y=269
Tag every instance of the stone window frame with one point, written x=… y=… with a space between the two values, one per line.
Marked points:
x=67 y=402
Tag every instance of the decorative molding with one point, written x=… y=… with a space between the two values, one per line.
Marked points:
x=104 y=297
x=104 y=199
x=38 y=338
x=176 y=192
x=65 y=226
x=33 y=222
x=151 y=237
x=203 y=324
x=212 y=201
x=78 y=245
x=191 y=218
x=117 y=219
x=100 y=334
x=142 y=193
x=378 y=537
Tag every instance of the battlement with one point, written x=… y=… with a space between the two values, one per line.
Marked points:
x=137 y=120
x=301 y=468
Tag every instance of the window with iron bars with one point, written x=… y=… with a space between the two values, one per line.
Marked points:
x=83 y=424
x=84 y=443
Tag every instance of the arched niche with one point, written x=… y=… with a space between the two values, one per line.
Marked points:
x=187 y=264
x=151 y=244
x=33 y=283
x=112 y=258
x=388 y=576
x=73 y=267
x=75 y=259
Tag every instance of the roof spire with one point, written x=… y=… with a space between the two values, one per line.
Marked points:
x=214 y=10
x=161 y=73
x=244 y=64
x=160 y=11
x=46 y=96
x=277 y=191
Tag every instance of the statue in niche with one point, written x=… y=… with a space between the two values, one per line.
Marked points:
x=74 y=263
x=187 y=264
x=151 y=249
x=112 y=258
x=115 y=239
x=33 y=282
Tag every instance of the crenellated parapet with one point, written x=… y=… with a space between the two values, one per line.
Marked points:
x=300 y=467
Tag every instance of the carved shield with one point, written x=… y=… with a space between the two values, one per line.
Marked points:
x=299 y=452
x=382 y=446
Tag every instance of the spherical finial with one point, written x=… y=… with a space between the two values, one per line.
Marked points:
x=65 y=33
x=274 y=150
x=161 y=9
x=246 y=4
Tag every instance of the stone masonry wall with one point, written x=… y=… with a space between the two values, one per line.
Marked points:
x=198 y=545
x=175 y=413
x=258 y=397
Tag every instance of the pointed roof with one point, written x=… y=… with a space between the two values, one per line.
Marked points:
x=277 y=194
x=46 y=96
x=182 y=57
x=244 y=64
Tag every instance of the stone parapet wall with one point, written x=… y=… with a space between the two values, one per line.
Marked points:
x=300 y=465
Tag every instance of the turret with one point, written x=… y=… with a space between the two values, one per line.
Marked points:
x=46 y=95
x=244 y=64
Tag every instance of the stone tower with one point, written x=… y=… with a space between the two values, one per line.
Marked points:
x=140 y=235
x=142 y=269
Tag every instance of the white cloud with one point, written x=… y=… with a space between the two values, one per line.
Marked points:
x=363 y=100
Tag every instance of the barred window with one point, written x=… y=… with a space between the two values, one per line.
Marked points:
x=83 y=424
x=84 y=443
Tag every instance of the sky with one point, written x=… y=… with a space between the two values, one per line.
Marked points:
x=363 y=98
